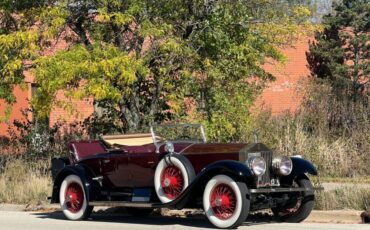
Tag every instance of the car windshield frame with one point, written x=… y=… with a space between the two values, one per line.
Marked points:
x=158 y=138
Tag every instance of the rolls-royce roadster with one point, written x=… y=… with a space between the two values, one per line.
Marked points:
x=174 y=166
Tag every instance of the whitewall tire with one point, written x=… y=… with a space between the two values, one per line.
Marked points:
x=172 y=176
x=72 y=198
x=225 y=202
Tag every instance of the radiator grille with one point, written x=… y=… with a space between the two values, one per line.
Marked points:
x=265 y=179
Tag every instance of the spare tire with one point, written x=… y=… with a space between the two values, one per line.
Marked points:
x=174 y=173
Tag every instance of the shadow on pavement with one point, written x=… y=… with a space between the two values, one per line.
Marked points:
x=198 y=221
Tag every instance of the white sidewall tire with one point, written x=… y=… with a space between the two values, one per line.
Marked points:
x=70 y=215
x=212 y=183
x=157 y=177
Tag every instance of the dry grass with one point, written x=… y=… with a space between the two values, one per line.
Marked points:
x=24 y=183
x=345 y=198
x=332 y=133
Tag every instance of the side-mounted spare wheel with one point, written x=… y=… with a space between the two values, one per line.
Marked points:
x=72 y=197
x=174 y=173
x=301 y=207
x=225 y=202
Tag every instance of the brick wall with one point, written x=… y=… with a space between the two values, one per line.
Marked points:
x=285 y=93
x=22 y=104
x=82 y=110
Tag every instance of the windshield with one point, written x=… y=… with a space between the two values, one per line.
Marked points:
x=179 y=132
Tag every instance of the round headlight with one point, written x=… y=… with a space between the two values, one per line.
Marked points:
x=258 y=165
x=282 y=165
x=169 y=147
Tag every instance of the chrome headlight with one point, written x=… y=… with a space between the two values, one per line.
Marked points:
x=169 y=147
x=257 y=164
x=282 y=166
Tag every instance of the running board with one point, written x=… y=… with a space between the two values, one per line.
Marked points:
x=127 y=204
x=275 y=190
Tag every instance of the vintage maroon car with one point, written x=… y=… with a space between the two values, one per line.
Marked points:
x=173 y=166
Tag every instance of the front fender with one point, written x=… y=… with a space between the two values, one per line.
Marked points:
x=235 y=169
x=69 y=170
x=300 y=166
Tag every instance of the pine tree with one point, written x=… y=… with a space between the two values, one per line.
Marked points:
x=340 y=53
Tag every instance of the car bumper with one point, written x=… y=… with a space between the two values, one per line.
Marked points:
x=285 y=190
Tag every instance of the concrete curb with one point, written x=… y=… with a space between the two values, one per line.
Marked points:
x=12 y=207
x=335 y=217
x=28 y=208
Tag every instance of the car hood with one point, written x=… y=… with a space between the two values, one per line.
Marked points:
x=207 y=148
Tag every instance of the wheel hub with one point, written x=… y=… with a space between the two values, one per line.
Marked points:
x=223 y=201
x=172 y=181
x=74 y=197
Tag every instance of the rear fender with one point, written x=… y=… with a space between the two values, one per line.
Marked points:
x=235 y=169
x=72 y=170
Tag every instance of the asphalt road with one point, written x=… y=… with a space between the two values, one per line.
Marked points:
x=55 y=221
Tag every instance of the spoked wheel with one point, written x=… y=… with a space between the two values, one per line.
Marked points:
x=172 y=181
x=72 y=199
x=302 y=205
x=225 y=202
x=173 y=175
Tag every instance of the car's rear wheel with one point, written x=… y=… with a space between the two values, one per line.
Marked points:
x=302 y=205
x=172 y=176
x=72 y=198
x=225 y=202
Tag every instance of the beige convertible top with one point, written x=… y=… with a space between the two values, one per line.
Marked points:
x=129 y=139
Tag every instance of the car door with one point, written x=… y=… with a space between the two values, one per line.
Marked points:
x=142 y=162
x=114 y=169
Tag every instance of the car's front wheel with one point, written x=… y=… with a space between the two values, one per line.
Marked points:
x=72 y=198
x=302 y=205
x=225 y=202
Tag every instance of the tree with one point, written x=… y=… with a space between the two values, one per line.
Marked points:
x=143 y=58
x=20 y=42
x=341 y=52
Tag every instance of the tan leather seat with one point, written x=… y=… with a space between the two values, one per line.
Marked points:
x=129 y=139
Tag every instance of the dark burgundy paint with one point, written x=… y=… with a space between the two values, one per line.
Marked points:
x=134 y=166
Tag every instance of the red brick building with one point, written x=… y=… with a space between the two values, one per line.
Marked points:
x=280 y=96
x=285 y=93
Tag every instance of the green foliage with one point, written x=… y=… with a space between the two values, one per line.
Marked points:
x=21 y=37
x=96 y=72
x=341 y=52
x=144 y=58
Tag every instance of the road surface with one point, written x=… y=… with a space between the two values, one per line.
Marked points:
x=55 y=221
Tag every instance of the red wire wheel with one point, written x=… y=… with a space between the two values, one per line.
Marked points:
x=74 y=197
x=223 y=201
x=172 y=181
